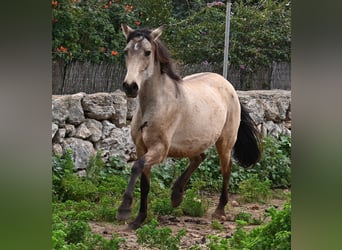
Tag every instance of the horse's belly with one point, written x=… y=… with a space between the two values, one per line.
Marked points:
x=185 y=146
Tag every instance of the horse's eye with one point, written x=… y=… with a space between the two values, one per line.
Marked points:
x=147 y=53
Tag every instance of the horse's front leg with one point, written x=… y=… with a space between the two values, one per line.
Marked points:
x=125 y=208
x=141 y=167
x=144 y=189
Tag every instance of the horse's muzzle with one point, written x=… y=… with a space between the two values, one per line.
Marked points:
x=131 y=89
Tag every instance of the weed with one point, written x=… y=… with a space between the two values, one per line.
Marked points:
x=161 y=238
x=215 y=224
x=254 y=190
x=193 y=203
x=274 y=235
x=247 y=217
x=217 y=243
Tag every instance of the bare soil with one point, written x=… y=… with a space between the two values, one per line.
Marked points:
x=197 y=228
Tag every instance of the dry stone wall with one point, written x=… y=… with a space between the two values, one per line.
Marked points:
x=87 y=123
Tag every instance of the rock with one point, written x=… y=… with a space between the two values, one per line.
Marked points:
x=76 y=114
x=99 y=106
x=57 y=149
x=235 y=203
x=67 y=108
x=70 y=130
x=54 y=129
x=82 y=151
x=82 y=132
x=95 y=129
x=120 y=106
x=107 y=127
x=60 y=135
x=60 y=111
x=117 y=143
x=132 y=104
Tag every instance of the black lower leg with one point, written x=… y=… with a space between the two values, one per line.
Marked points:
x=144 y=187
x=179 y=185
x=125 y=208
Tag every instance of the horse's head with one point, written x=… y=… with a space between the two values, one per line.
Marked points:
x=140 y=57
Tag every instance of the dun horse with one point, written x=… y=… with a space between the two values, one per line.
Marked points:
x=180 y=118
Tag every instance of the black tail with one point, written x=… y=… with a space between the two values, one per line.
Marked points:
x=247 y=149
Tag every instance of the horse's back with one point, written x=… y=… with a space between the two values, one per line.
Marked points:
x=209 y=79
x=209 y=100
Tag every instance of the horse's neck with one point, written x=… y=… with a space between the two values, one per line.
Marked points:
x=156 y=93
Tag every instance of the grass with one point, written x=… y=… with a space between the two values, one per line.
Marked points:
x=96 y=197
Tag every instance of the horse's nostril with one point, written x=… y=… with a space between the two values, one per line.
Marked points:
x=125 y=85
x=134 y=86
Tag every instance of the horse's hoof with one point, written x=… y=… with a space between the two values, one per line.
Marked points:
x=133 y=226
x=123 y=214
x=176 y=198
x=219 y=214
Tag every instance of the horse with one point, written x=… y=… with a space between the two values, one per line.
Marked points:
x=180 y=118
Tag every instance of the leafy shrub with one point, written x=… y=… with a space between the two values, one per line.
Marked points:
x=215 y=224
x=62 y=166
x=247 y=217
x=217 y=243
x=76 y=231
x=193 y=203
x=253 y=190
x=161 y=238
x=90 y=30
x=275 y=162
x=274 y=235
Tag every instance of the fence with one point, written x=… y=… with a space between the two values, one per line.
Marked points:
x=107 y=77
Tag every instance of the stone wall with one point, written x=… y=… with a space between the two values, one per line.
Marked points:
x=87 y=123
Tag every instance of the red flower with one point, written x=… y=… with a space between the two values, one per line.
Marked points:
x=129 y=8
x=106 y=6
x=114 y=53
x=137 y=23
x=55 y=3
x=62 y=49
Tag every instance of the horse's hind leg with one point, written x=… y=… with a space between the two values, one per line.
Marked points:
x=226 y=165
x=179 y=185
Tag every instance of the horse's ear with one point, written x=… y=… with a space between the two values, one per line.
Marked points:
x=126 y=29
x=155 y=34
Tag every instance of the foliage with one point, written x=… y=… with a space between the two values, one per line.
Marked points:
x=217 y=243
x=78 y=235
x=90 y=29
x=247 y=217
x=275 y=162
x=274 y=235
x=193 y=203
x=194 y=30
x=215 y=224
x=254 y=190
x=261 y=33
x=161 y=238
x=77 y=200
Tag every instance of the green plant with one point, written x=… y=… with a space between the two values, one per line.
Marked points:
x=217 y=243
x=254 y=190
x=215 y=224
x=161 y=238
x=247 y=217
x=193 y=203
x=244 y=216
x=62 y=166
x=274 y=235
x=76 y=231
x=275 y=162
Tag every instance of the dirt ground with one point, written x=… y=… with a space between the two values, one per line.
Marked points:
x=197 y=228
